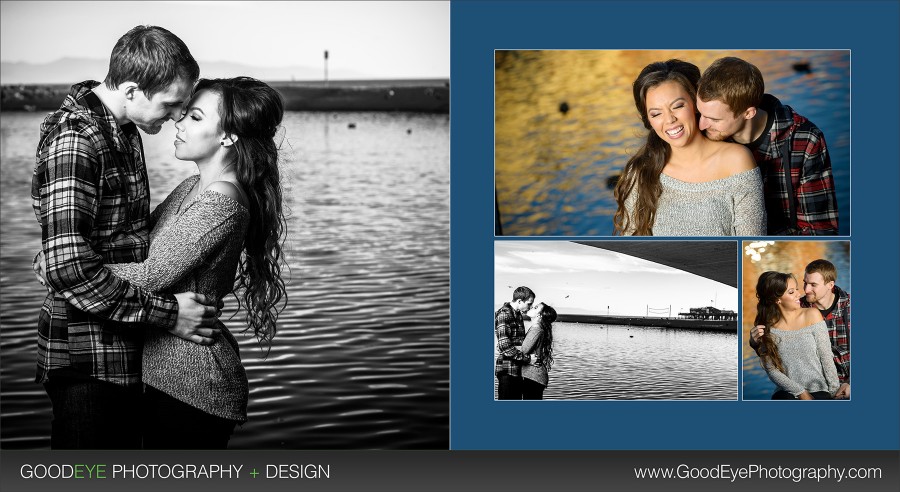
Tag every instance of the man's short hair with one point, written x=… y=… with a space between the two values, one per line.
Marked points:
x=522 y=294
x=824 y=268
x=153 y=58
x=737 y=83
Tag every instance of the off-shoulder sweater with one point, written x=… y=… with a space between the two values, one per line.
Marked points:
x=195 y=247
x=806 y=357
x=732 y=206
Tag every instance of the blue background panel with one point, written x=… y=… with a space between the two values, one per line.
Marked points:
x=869 y=30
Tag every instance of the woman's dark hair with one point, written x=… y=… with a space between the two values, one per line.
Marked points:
x=641 y=173
x=547 y=317
x=252 y=111
x=153 y=58
x=769 y=288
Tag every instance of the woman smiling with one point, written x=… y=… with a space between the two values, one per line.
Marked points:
x=680 y=183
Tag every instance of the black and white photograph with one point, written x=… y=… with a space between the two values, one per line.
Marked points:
x=267 y=270
x=615 y=320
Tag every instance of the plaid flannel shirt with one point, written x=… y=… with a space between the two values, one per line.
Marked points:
x=509 y=327
x=838 y=321
x=808 y=192
x=837 y=317
x=90 y=195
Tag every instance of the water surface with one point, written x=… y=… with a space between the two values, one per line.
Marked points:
x=361 y=356
x=612 y=362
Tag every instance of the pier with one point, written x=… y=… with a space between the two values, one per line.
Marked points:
x=678 y=323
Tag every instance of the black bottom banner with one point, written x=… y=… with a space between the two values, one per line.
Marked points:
x=436 y=471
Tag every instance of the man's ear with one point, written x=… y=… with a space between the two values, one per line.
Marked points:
x=129 y=89
x=749 y=113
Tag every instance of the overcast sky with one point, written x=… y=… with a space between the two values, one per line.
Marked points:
x=579 y=279
x=375 y=39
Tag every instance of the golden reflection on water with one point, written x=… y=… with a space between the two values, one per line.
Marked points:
x=552 y=168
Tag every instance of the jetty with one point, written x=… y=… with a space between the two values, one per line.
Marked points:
x=408 y=95
x=720 y=325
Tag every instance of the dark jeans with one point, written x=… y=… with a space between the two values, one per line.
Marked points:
x=94 y=414
x=817 y=395
x=172 y=424
x=532 y=390
x=509 y=387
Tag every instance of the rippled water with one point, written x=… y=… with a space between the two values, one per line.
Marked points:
x=552 y=169
x=789 y=257
x=361 y=356
x=610 y=362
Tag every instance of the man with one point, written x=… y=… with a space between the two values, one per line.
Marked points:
x=789 y=149
x=834 y=303
x=509 y=327
x=90 y=195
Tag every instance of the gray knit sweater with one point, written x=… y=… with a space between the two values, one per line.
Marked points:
x=532 y=345
x=732 y=206
x=194 y=249
x=806 y=357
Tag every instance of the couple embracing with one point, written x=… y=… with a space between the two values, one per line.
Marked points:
x=525 y=357
x=722 y=158
x=130 y=348
x=802 y=337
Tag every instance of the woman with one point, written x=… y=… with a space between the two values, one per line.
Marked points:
x=227 y=219
x=680 y=183
x=538 y=341
x=794 y=349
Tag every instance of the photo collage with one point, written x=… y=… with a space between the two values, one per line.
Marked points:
x=665 y=154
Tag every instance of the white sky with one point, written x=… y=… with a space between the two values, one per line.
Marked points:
x=377 y=39
x=579 y=279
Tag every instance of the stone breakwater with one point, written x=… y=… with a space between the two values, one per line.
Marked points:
x=422 y=96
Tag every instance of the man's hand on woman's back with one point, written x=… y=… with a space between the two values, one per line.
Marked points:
x=197 y=315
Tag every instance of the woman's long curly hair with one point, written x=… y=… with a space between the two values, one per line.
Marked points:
x=547 y=317
x=769 y=288
x=641 y=173
x=252 y=111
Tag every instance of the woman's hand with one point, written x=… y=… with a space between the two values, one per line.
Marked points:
x=806 y=396
x=756 y=332
x=40 y=270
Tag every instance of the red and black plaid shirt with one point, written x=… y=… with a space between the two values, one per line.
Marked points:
x=803 y=202
x=837 y=317
x=90 y=195
x=509 y=327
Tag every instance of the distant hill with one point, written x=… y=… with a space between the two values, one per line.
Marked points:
x=71 y=70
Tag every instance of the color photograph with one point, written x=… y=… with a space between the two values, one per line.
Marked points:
x=672 y=143
x=796 y=320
